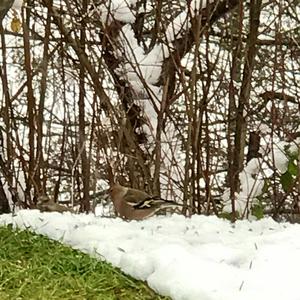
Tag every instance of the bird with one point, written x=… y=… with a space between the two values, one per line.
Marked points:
x=134 y=204
x=45 y=203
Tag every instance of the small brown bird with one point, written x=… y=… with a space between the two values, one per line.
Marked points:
x=133 y=204
x=47 y=204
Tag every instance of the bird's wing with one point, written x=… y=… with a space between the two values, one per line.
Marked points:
x=155 y=201
x=134 y=196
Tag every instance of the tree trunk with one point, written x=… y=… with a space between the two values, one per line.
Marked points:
x=85 y=163
x=241 y=122
x=4 y=205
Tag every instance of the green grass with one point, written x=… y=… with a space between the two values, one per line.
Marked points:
x=34 y=267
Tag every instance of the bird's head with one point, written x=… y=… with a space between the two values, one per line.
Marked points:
x=117 y=190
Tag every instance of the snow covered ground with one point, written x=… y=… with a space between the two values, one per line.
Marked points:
x=197 y=258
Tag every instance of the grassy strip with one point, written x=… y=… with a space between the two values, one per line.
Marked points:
x=34 y=267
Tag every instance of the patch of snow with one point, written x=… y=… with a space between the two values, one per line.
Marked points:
x=197 y=5
x=119 y=10
x=139 y=66
x=280 y=158
x=17 y=4
x=184 y=258
x=177 y=26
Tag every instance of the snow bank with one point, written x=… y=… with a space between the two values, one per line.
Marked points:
x=186 y=258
